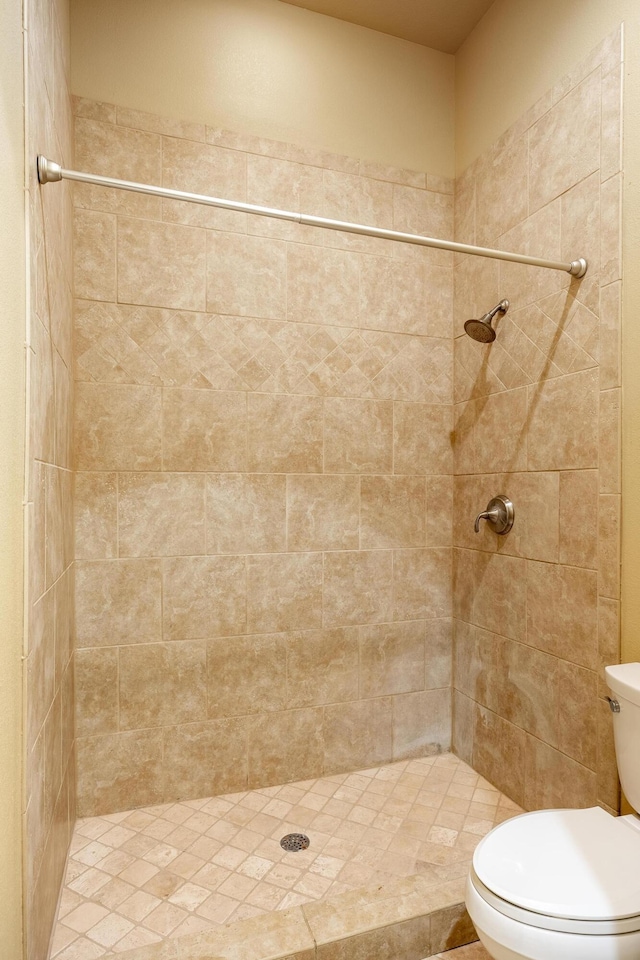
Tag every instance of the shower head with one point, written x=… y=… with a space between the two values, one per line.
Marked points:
x=481 y=330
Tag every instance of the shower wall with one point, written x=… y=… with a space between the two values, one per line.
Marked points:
x=50 y=785
x=537 y=418
x=264 y=467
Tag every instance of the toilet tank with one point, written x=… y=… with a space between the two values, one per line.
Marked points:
x=623 y=680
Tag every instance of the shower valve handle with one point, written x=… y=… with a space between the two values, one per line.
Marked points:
x=499 y=515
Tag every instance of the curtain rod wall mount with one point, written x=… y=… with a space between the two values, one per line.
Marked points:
x=51 y=172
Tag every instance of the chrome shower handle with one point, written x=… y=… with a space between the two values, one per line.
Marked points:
x=490 y=515
x=499 y=515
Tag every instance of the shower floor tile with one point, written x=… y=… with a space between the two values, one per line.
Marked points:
x=138 y=877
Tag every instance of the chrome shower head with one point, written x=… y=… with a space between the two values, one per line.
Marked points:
x=481 y=330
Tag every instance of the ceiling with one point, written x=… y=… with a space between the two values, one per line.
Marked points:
x=440 y=24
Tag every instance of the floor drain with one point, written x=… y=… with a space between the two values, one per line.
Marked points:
x=294 y=841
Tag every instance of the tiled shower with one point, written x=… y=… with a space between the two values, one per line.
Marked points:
x=281 y=439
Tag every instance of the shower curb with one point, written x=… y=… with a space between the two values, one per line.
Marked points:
x=407 y=919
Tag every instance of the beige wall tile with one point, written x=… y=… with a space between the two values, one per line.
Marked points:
x=119 y=771
x=423 y=212
x=392 y=512
x=421 y=723
x=323 y=513
x=94 y=267
x=117 y=601
x=392 y=658
x=562 y=612
x=204 y=430
x=608 y=639
x=581 y=222
x=463 y=723
x=499 y=753
x=530 y=694
x=438 y=653
x=501 y=190
x=96 y=691
x=95 y=508
x=554 y=780
x=393 y=295
x=162 y=683
x=42 y=415
x=204 y=759
x=358 y=436
x=115 y=151
x=246 y=675
x=611 y=124
x=358 y=199
x=579 y=518
x=246 y=513
x=93 y=109
x=284 y=184
x=501 y=435
x=439 y=511
x=609 y=441
x=421 y=584
x=209 y=170
x=369 y=598
x=609 y=547
x=564 y=145
x=161 y=264
x=322 y=285
x=500 y=594
x=285 y=434
x=246 y=276
x=610 y=230
x=536 y=534
x=203 y=168
x=554 y=404
x=160 y=514
x=117 y=427
x=577 y=727
x=357 y=734
x=284 y=592
x=610 y=334
x=537 y=236
x=291 y=741
x=203 y=597
x=422 y=438
x=166 y=125
x=322 y=666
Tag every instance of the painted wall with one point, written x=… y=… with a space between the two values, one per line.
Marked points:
x=536 y=417
x=530 y=47
x=263 y=455
x=12 y=428
x=271 y=70
x=48 y=736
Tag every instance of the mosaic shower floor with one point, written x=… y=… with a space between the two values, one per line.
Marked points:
x=138 y=877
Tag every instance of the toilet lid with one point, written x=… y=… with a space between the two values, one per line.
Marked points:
x=575 y=864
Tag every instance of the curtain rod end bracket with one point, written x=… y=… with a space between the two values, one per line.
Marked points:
x=578 y=267
x=48 y=171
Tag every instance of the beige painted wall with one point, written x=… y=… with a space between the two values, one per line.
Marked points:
x=272 y=70
x=530 y=46
x=12 y=298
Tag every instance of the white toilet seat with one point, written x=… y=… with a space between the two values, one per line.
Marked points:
x=559 y=869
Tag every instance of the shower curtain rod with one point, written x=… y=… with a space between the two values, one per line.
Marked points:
x=50 y=172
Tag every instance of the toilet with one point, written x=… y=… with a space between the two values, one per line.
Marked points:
x=565 y=884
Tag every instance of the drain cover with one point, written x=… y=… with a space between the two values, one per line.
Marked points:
x=294 y=841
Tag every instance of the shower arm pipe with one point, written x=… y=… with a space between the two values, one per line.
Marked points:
x=50 y=172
